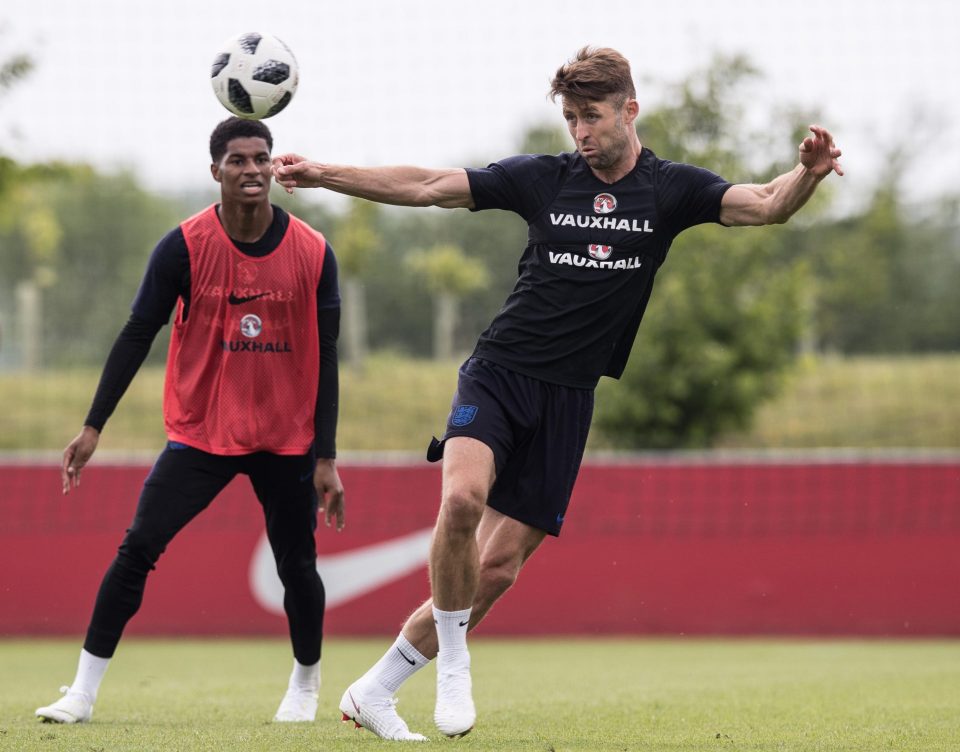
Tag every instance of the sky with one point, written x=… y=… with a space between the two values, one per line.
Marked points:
x=440 y=83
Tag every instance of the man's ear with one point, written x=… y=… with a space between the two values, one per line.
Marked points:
x=215 y=171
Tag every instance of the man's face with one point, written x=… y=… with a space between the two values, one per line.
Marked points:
x=244 y=171
x=600 y=131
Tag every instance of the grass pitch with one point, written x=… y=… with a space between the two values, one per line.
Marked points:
x=595 y=695
x=394 y=402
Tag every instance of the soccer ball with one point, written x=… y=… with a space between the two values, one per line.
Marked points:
x=255 y=75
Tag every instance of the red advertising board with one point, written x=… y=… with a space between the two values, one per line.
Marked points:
x=649 y=546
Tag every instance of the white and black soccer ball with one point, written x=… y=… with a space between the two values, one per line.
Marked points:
x=254 y=75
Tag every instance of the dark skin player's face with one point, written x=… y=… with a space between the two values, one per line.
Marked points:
x=244 y=171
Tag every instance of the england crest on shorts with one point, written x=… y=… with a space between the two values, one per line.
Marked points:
x=463 y=415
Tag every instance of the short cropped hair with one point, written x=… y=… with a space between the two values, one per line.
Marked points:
x=593 y=75
x=234 y=127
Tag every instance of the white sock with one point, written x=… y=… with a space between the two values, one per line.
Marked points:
x=90 y=671
x=305 y=677
x=451 y=632
x=398 y=664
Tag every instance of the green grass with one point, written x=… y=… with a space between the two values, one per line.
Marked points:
x=862 y=402
x=392 y=404
x=593 y=695
x=396 y=403
x=43 y=411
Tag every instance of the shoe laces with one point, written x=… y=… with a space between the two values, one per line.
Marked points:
x=387 y=704
x=386 y=709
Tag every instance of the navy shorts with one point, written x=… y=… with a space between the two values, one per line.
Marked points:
x=537 y=432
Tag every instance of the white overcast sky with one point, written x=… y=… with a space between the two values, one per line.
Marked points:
x=447 y=83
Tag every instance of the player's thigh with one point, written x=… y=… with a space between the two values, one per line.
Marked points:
x=181 y=484
x=468 y=471
x=284 y=487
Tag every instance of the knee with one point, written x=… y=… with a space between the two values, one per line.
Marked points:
x=297 y=572
x=461 y=509
x=139 y=551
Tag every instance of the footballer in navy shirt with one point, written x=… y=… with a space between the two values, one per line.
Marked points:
x=600 y=223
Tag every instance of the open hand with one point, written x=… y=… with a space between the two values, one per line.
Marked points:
x=819 y=154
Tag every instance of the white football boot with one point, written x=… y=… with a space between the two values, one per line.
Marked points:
x=454 y=713
x=377 y=713
x=297 y=706
x=73 y=707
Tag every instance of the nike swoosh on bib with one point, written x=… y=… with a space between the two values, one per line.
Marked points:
x=346 y=574
x=236 y=300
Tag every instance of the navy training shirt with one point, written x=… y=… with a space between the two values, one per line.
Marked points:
x=593 y=249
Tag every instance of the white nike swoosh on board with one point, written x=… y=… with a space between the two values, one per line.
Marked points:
x=346 y=574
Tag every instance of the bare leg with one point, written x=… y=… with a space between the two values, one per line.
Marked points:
x=465 y=570
x=504 y=545
x=468 y=474
x=477 y=552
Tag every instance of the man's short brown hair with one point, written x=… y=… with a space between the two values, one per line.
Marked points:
x=593 y=75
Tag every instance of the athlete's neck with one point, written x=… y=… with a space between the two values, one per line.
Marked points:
x=624 y=165
x=245 y=223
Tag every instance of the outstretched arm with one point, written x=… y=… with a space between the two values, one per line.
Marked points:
x=403 y=186
x=777 y=201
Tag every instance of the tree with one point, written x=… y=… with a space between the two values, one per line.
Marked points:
x=41 y=233
x=887 y=276
x=721 y=330
x=108 y=226
x=356 y=242
x=449 y=274
x=400 y=316
x=40 y=225
x=545 y=139
x=75 y=253
x=13 y=70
